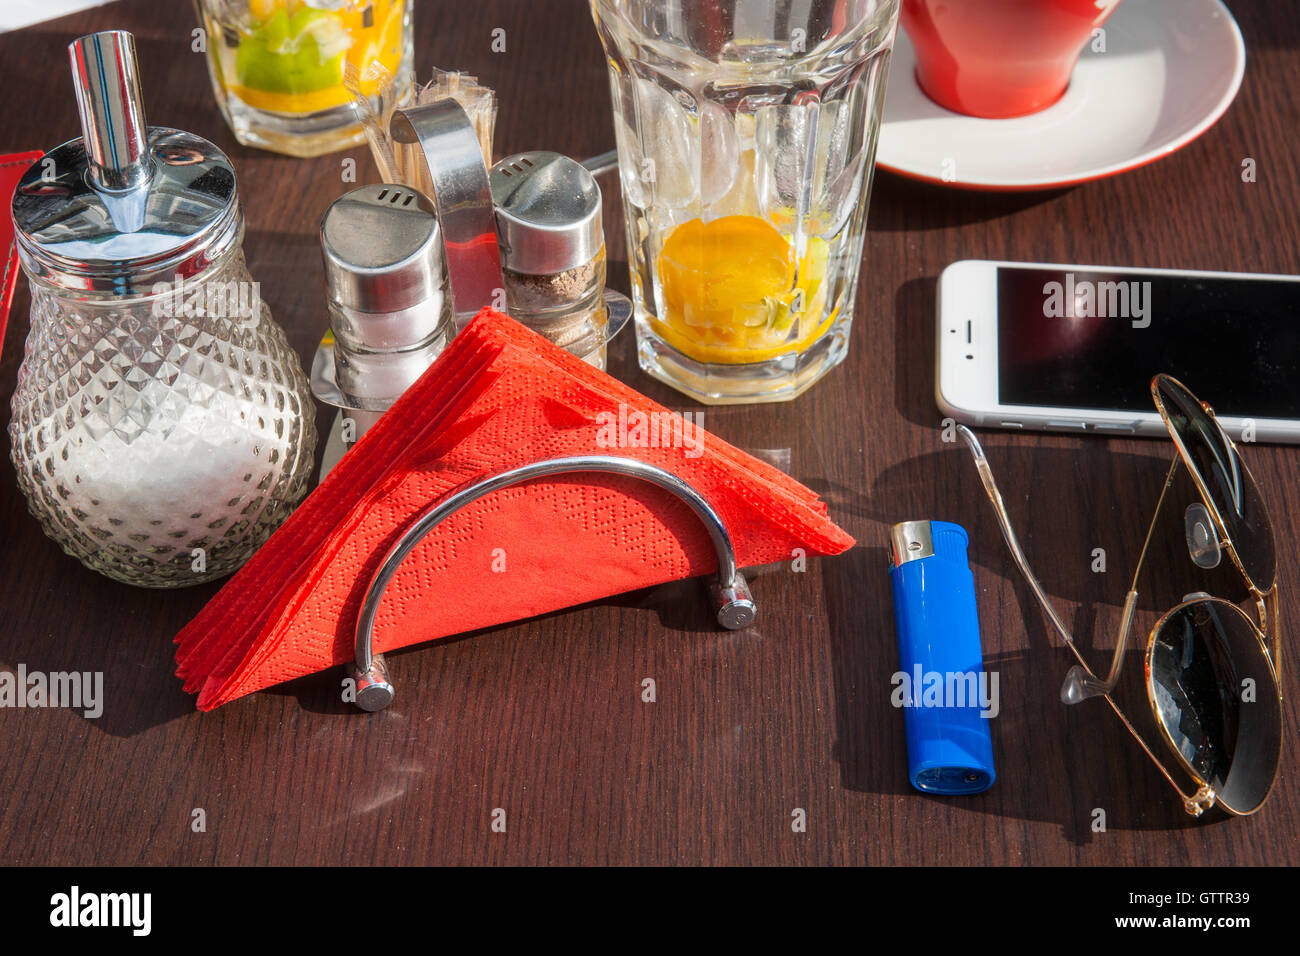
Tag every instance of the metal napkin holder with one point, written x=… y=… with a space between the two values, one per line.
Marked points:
x=729 y=593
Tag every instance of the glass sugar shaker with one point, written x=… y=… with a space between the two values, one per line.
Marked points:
x=162 y=427
x=390 y=309
x=552 y=243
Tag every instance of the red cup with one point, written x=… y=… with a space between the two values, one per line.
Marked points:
x=999 y=58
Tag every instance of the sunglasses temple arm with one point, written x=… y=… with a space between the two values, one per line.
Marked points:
x=1088 y=686
x=1080 y=683
x=1196 y=803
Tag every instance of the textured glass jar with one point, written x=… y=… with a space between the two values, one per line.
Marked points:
x=156 y=448
x=162 y=427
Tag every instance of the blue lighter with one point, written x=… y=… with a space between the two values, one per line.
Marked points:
x=947 y=696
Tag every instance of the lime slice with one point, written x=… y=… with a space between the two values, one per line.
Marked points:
x=295 y=54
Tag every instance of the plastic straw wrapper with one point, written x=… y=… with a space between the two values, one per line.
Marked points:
x=403 y=164
x=478 y=102
x=374 y=122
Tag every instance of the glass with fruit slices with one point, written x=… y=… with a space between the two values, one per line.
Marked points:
x=281 y=69
x=746 y=140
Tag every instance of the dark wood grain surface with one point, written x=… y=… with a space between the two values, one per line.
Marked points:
x=545 y=719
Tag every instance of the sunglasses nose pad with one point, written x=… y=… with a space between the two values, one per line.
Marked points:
x=1080 y=686
x=1202 y=542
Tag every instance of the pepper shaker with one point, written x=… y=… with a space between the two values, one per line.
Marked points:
x=552 y=242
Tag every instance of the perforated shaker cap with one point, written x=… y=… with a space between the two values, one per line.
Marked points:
x=383 y=249
x=548 y=210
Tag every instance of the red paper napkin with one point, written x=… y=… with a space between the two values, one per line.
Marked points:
x=499 y=396
x=12 y=168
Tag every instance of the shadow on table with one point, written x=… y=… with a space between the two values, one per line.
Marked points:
x=1081 y=514
x=76 y=620
x=321 y=693
x=914 y=356
x=1063 y=504
x=681 y=607
x=1054 y=763
x=900 y=204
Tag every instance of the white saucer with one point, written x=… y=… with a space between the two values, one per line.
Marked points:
x=1171 y=68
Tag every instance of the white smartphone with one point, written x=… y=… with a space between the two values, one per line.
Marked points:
x=1073 y=348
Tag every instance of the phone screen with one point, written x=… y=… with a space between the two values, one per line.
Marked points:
x=1089 y=339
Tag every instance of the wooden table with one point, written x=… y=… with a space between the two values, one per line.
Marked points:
x=545 y=719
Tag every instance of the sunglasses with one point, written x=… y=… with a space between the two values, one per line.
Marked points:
x=1211 y=671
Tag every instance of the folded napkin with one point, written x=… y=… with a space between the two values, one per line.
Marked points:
x=499 y=396
x=12 y=168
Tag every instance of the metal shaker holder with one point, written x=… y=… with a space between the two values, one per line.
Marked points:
x=438 y=147
x=450 y=170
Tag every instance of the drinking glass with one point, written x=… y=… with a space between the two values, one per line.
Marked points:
x=281 y=68
x=746 y=134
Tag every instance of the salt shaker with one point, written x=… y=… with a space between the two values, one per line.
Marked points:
x=162 y=427
x=390 y=310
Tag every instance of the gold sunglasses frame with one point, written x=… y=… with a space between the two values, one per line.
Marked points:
x=1081 y=683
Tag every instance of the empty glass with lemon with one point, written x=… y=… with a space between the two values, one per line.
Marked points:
x=746 y=136
x=285 y=71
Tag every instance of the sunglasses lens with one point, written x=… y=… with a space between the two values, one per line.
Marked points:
x=1217 y=699
x=1231 y=488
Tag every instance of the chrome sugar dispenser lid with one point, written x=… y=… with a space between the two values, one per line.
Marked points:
x=126 y=205
x=548 y=210
x=386 y=283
